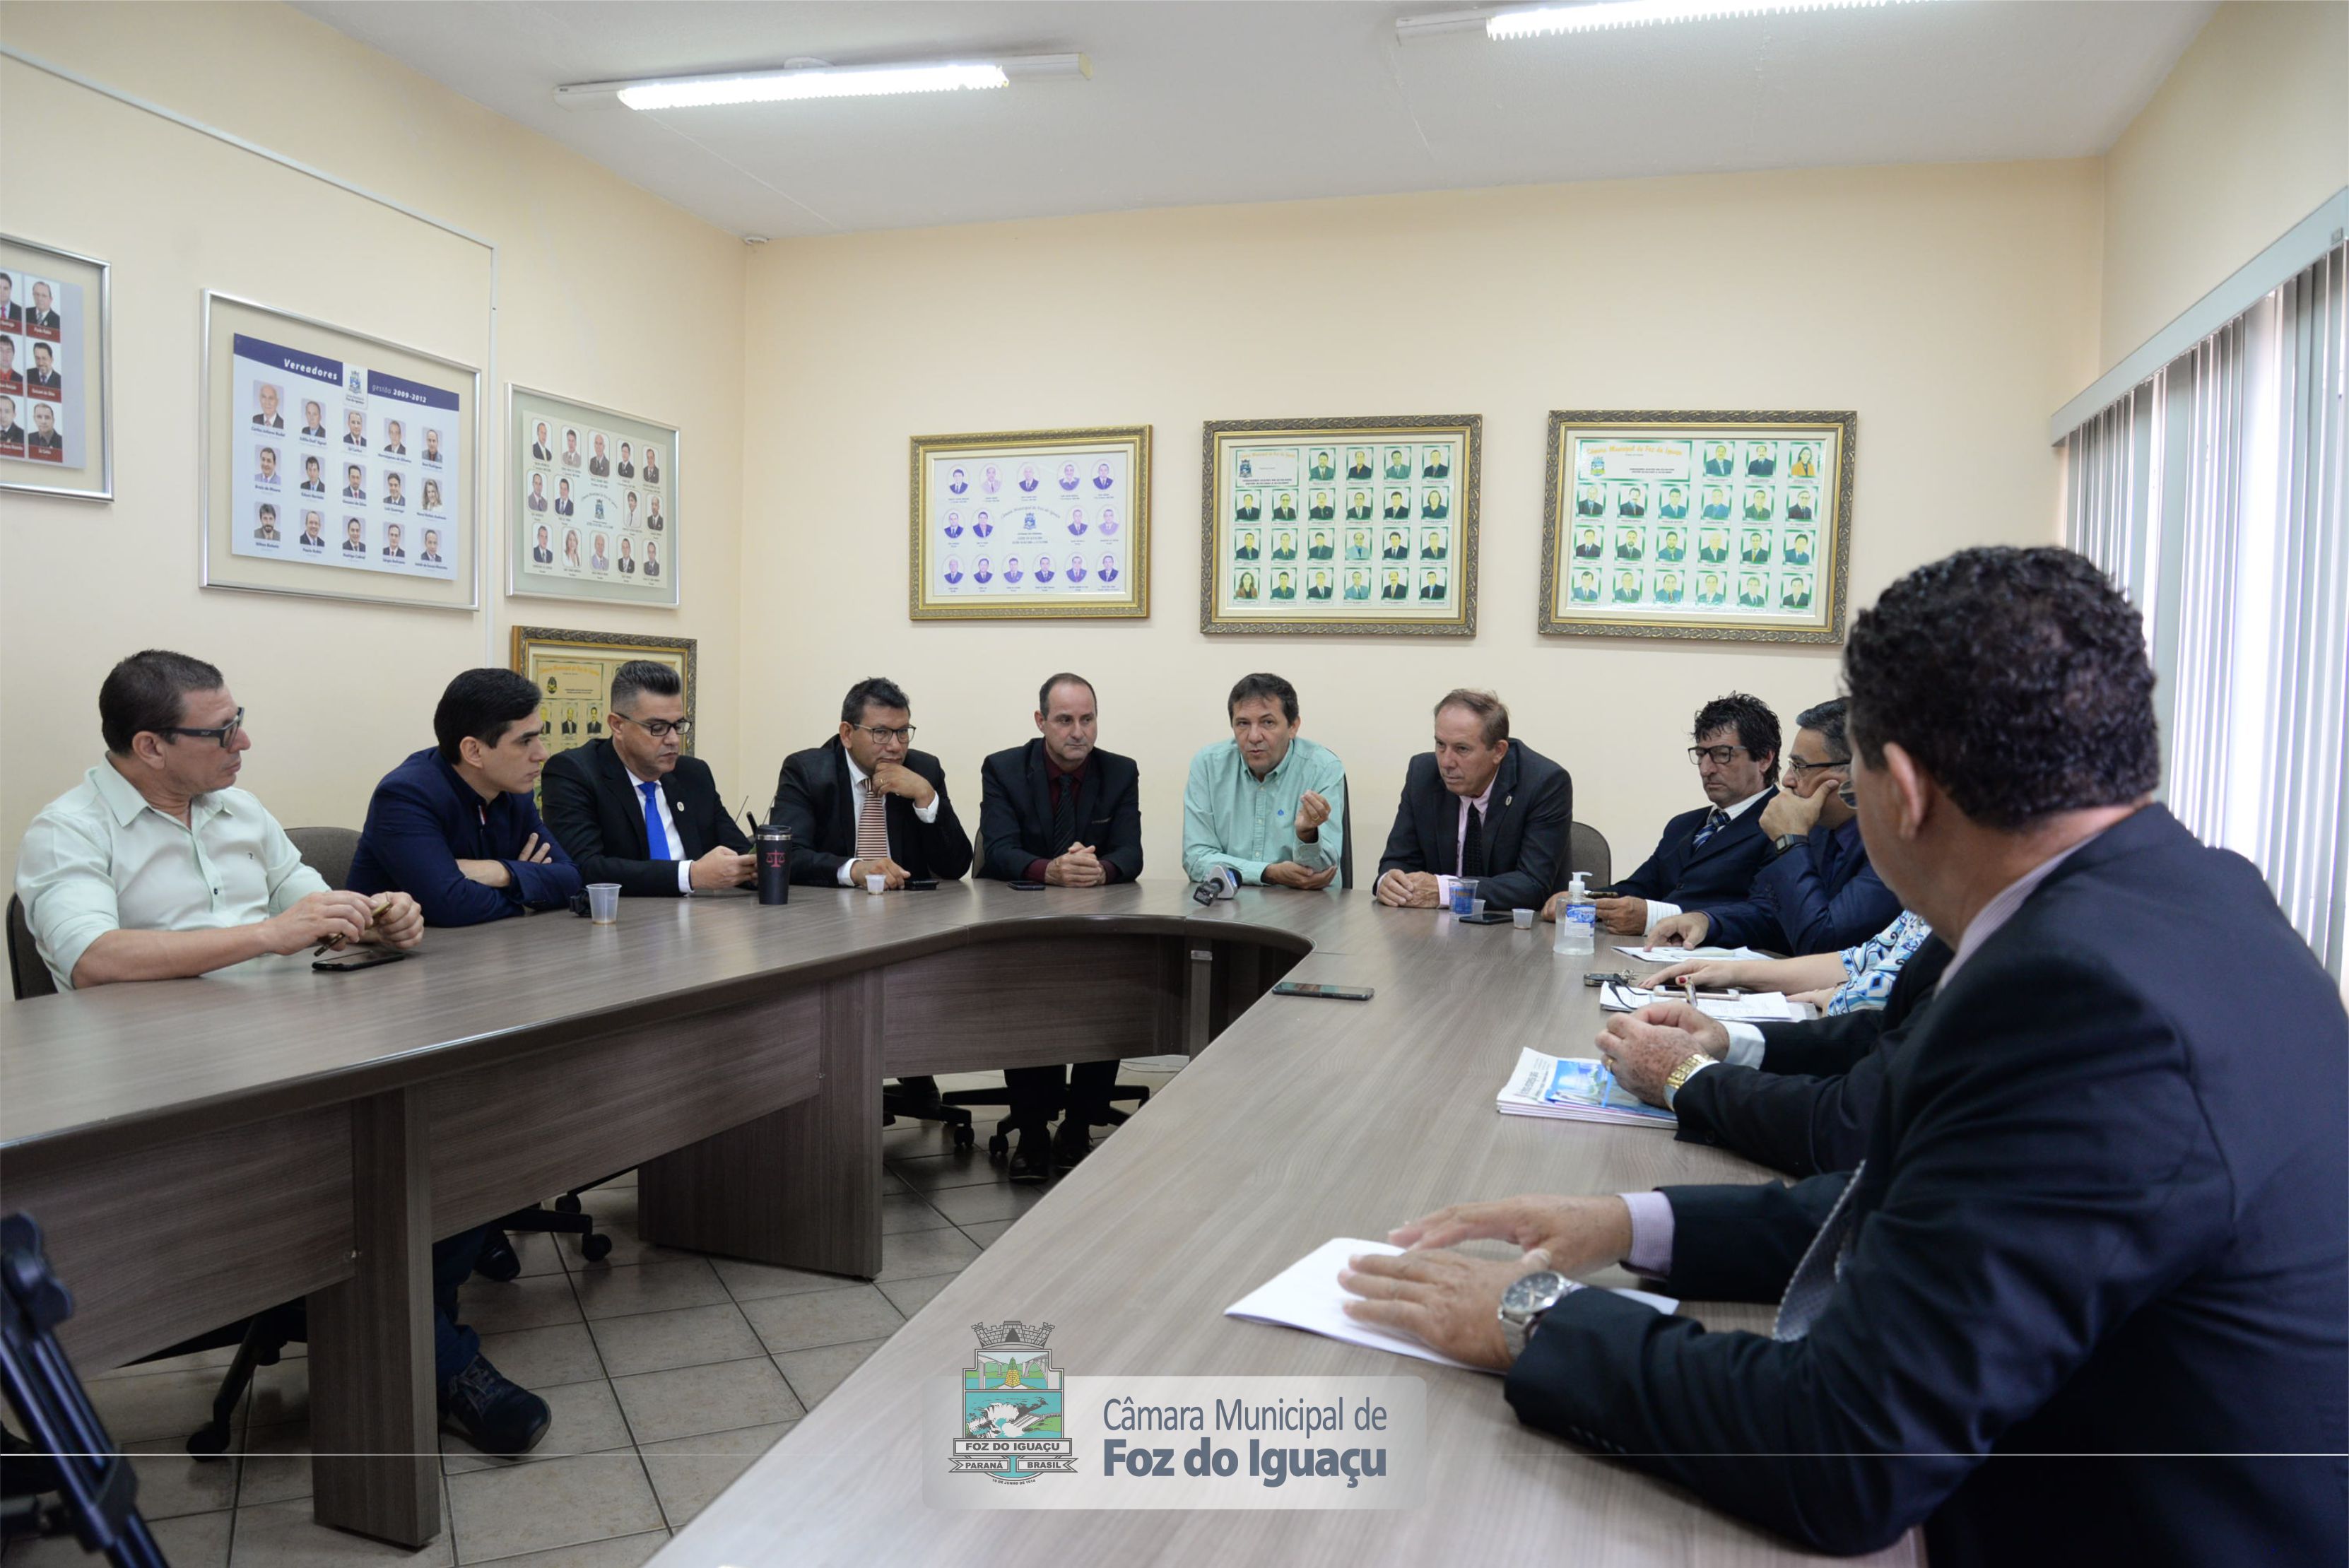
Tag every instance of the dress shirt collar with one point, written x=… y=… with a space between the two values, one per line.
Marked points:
x=1482 y=802
x=1053 y=770
x=1272 y=774
x=2003 y=904
x=638 y=782
x=1730 y=813
x=124 y=802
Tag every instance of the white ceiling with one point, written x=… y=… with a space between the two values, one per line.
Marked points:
x=1257 y=100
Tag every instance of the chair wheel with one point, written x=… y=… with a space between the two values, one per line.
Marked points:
x=963 y=1135
x=595 y=1249
x=567 y=1204
x=998 y=1148
x=208 y=1443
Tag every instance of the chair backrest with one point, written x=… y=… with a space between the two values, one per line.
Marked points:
x=1587 y=852
x=328 y=851
x=1346 y=834
x=27 y=973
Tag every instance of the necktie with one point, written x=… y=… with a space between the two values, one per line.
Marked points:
x=1471 y=845
x=1064 y=816
x=1715 y=821
x=871 y=826
x=655 y=834
x=1814 y=1279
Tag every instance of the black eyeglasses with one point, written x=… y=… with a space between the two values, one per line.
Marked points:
x=226 y=733
x=883 y=736
x=659 y=728
x=1719 y=756
x=1797 y=767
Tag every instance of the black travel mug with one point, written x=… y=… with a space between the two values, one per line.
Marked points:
x=774 y=863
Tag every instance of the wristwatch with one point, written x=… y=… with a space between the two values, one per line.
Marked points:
x=1682 y=1073
x=1785 y=841
x=1523 y=1304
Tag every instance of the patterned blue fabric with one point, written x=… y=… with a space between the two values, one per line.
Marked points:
x=1875 y=963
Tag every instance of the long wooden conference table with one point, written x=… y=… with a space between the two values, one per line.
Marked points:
x=200 y=1149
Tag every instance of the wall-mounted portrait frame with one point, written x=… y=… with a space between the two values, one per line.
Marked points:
x=1316 y=527
x=335 y=465
x=1726 y=526
x=592 y=503
x=57 y=425
x=1030 y=525
x=575 y=669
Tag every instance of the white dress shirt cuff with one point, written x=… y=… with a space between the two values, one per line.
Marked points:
x=1744 y=1046
x=685 y=878
x=1659 y=912
x=929 y=813
x=846 y=866
x=1652 y=1234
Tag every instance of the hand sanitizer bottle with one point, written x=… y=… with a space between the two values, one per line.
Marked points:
x=1577 y=920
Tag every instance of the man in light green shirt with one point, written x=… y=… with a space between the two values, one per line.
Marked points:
x=155 y=868
x=1269 y=803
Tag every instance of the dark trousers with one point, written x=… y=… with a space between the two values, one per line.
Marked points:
x=454 y=1346
x=1037 y=1092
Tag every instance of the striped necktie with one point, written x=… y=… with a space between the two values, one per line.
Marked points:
x=872 y=825
x=1714 y=822
x=1811 y=1285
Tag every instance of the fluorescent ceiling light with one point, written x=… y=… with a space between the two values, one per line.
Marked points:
x=820 y=81
x=1597 y=14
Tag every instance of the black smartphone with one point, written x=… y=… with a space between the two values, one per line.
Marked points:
x=1331 y=992
x=1026 y=887
x=1490 y=917
x=921 y=884
x=357 y=958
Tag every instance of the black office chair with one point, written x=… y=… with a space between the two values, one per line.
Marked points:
x=27 y=974
x=1587 y=852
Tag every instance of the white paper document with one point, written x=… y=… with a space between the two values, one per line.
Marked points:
x=1752 y=1007
x=1307 y=1294
x=1683 y=954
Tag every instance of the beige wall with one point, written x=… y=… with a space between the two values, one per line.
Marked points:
x=336 y=693
x=1951 y=306
x=2248 y=135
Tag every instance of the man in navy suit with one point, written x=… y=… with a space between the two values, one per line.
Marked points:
x=1815 y=891
x=1713 y=851
x=632 y=809
x=2087 y=1297
x=1061 y=811
x=1478 y=805
x=453 y=826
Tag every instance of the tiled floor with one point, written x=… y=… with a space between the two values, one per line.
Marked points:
x=668 y=1372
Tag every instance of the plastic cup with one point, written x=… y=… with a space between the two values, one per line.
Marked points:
x=876 y=882
x=1523 y=919
x=1477 y=906
x=603 y=903
x=1464 y=895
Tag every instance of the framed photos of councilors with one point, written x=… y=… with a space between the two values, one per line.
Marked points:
x=335 y=465
x=1734 y=527
x=1030 y=525
x=575 y=669
x=56 y=405
x=591 y=509
x=1364 y=525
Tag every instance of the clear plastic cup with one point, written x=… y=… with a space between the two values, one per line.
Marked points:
x=1477 y=906
x=876 y=882
x=1463 y=896
x=1523 y=918
x=603 y=903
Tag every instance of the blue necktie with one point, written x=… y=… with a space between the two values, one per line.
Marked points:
x=1713 y=824
x=655 y=835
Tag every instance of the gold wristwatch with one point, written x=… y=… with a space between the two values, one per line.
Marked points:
x=1684 y=1072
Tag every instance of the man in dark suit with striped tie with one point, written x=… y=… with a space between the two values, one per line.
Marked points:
x=1061 y=811
x=2085 y=1298
x=1709 y=854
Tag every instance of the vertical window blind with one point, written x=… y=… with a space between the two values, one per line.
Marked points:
x=2213 y=495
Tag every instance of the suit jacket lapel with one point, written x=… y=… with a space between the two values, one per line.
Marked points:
x=843 y=800
x=1040 y=789
x=1720 y=840
x=613 y=776
x=1500 y=806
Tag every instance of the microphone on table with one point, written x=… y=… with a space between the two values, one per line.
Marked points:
x=1223 y=883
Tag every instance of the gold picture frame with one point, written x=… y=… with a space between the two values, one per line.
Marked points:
x=575 y=669
x=1725 y=526
x=1364 y=524
x=1030 y=525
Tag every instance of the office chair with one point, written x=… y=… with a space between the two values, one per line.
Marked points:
x=27 y=974
x=1587 y=852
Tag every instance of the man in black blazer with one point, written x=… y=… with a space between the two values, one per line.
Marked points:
x=604 y=801
x=1479 y=805
x=1709 y=854
x=2103 y=1212
x=864 y=803
x=1061 y=811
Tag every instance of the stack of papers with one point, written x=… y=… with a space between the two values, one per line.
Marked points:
x=1307 y=1294
x=1751 y=1007
x=1568 y=1088
x=1683 y=954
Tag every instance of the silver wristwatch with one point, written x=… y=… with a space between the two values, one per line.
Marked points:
x=1523 y=1304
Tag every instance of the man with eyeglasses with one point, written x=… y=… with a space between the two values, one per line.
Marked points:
x=1817 y=891
x=632 y=809
x=1711 y=853
x=157 y=867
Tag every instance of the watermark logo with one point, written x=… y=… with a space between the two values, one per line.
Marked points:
x=1013 y=1408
